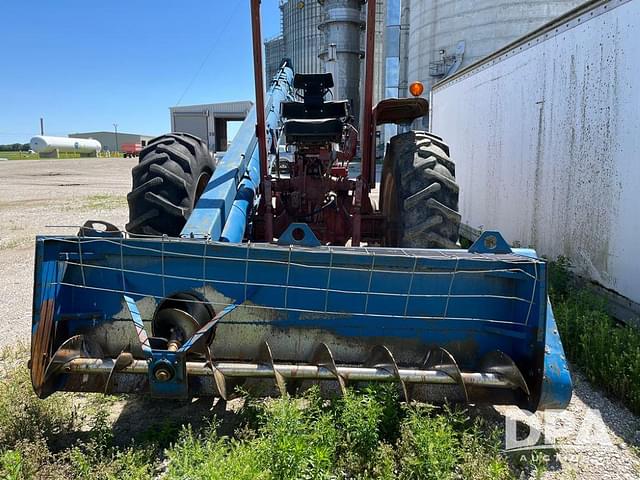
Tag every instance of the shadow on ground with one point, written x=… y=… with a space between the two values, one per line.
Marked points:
x=147 y=420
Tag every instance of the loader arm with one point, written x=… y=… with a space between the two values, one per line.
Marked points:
x=228 y=200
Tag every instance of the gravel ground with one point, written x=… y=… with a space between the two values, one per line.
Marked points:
x=595 y=438
x=37 y=194
x=42 y=196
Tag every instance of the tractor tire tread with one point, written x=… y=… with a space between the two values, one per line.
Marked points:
x=424 y=210
x=165 y=184
x=165 y=205
x=433 y=135
x=419 y=163
x=168 y=175
x=146 y=186
x=444 y=178
x=426 y=192
x=439 y=154
x=143 y=166
x=188 y=141
x=138 y=222
x=176 y=154
x=439 y=142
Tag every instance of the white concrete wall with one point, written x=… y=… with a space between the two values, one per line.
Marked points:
x=547 y=144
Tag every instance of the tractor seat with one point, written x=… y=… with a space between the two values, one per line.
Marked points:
x=313 y=81
x=300 y=110
x=324 y=130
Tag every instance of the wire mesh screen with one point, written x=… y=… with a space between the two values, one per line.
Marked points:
x=324 y=281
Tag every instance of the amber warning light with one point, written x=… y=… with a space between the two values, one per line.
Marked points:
x=416 y=89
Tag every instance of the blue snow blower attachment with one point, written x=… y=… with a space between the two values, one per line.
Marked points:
x=180 y=318
x=251 y=271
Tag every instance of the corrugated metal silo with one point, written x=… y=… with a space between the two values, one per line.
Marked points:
x=378 y=69
x=342 y=50
x=274 y=52
x=302 y=38
x=446 y=35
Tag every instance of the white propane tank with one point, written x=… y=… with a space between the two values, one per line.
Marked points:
x=47 y=144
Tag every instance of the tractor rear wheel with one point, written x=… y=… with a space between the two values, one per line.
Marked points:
x=419 y=195
x=172 y=173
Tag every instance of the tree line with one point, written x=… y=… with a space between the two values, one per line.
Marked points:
x=15 y=147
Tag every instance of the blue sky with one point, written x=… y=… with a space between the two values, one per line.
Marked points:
x=86 y=64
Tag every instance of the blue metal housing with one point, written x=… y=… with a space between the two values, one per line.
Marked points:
x=469 y=302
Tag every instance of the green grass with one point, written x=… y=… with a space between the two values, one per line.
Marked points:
x=62 y=155
x=607 y=352
x=365 y=435
x=104 y=202
x=19 y=155
x=33 y=156
x=357 y=436
x=24 y=417
x=35 y=434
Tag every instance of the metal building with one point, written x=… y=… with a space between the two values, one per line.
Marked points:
x=302 y=38
x=274 y=52
x=113 y=142
x=209 y=121
x=446 y=35
x=396 y=31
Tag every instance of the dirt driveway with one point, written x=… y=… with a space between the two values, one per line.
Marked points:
x=49 y=197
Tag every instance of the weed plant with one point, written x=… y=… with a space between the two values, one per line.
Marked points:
x=607 y=352
x=364 y=435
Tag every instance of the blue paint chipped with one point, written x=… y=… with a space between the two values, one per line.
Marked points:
x=495 y=302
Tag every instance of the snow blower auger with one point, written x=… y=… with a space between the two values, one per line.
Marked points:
x=227 y=274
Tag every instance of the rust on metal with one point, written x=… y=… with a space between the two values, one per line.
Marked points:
x=261 y=129
x=41 y=348
x=399 y=110
x=500 y=363
x=122 y=361
x=265 y=358
x=322 y=357
x=381 y=357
